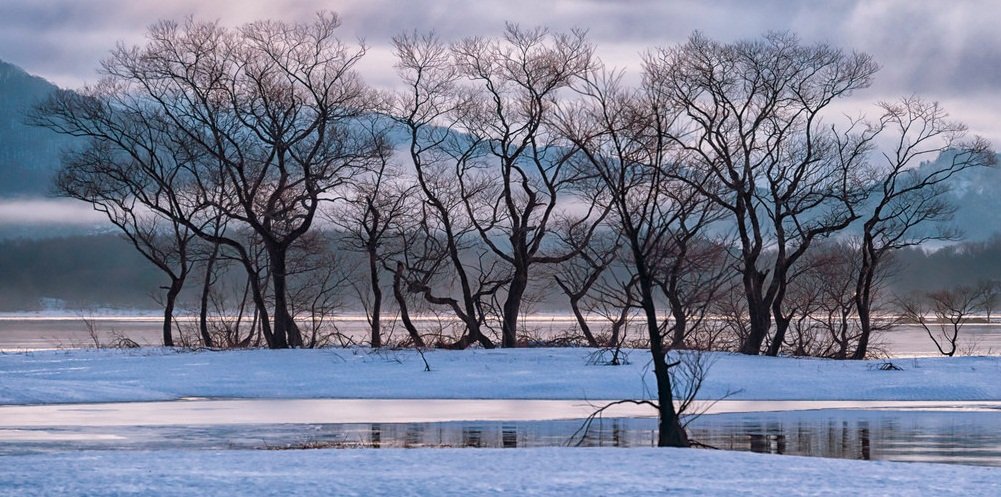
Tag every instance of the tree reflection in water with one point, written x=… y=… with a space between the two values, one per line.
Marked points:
x=931 y=436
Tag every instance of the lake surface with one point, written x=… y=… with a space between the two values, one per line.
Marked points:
x=944 y=432
x=348 y=411
x=29 y=333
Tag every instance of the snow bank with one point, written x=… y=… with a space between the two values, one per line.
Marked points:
x=465 y=472
x=158 y=374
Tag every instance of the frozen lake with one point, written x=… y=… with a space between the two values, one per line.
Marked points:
x=44 y=332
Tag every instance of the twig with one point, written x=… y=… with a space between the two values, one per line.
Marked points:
x=586 y=426
x=427 y=367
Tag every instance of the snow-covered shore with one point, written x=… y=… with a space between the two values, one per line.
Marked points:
x=473 y=472
x=71 y=376
x=83 y=375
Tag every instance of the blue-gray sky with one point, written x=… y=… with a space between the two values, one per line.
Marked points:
x=943 y=50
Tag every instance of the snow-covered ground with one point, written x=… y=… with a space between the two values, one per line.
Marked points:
x=72 y=376
x=51 y=377
x=471 y=472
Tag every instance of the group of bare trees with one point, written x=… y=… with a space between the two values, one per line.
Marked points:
x=233 y=137
x=718 y=202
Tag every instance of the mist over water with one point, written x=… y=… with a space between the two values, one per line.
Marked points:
x=42 y=331
x=42 y=213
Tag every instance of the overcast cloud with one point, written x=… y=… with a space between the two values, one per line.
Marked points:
x=944 y=50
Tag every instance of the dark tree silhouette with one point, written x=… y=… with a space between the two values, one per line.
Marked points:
x=370 y=217
x=909 y=205
x=942 y=314
x=582 y=276
x=513 y=180
x=109 y=181
x=620 y=137
x=270 y=111
x=750 y=119
x=425 y=111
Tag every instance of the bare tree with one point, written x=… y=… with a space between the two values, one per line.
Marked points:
x=614 y=298
x=426 y=110
x=400 y=295
x=210 y=277
x=369 y=217
x=317 y=281
x=107 y=180
x=731 y=326
x=435 y=252
x=436 y=113
x=516 y=184
x=578 y=276
x=750 y=119
x=693 y=271
x=689 y=371
x=949 y=311
x=822 y=298
x=621 y=140
x=513 y=180
x=806 y=335
x=231 y=315
x=909 y=203
x=990 y=292
x=270 y=109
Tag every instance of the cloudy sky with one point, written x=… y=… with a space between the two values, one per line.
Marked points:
x=944 y=50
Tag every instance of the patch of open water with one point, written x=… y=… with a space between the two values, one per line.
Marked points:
x=950 y=432
x=946 y=432
x=47 y=332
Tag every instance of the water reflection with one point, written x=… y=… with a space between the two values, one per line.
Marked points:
x=965 y=438
x=509 y=437
x=946 y=437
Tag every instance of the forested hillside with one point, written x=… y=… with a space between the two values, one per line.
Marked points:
x=28 y=155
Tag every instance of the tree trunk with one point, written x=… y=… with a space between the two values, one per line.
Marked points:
x=779 y=278
x=286 y=333
x=373 y=269
x=865 y=327
x=616 y=329
x=863 y=305
x=234 y=335
x=473 y=332
x=401 y=302
x=781 y=326
x=582 y=322
x=260 y=304
x=168 y=310
x=254 y=328
x=760 y=322
x=473 y=327
x=670 y=433
x=843 y=343
x=203 y=321
x=512 y=304
x=680 y=321
x=759 y=313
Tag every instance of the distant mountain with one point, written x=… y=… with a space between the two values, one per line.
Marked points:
x=976 y=195
x=29 y=156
